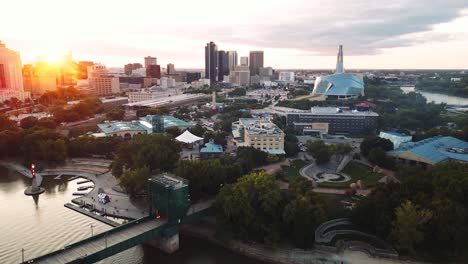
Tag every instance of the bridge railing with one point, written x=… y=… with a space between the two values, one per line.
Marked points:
x=86 y=240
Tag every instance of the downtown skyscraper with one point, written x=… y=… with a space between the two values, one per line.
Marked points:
x=223 y=65
x=256 y=62
x=232 y=59
x=211 y=62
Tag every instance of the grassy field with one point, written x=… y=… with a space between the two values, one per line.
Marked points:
x=292 y=172
x=356 y=171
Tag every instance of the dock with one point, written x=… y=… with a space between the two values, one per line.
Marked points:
x=78 y=194
x=84 y=181
x=92 y=215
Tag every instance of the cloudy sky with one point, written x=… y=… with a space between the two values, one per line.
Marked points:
x=293 y=33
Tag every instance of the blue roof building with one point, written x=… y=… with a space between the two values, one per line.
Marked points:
x=396 y=138
x=339 y=85
x=211 y=150
x=431 y=151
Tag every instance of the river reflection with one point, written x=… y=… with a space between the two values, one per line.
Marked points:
x=439 y=98
x=41 y=224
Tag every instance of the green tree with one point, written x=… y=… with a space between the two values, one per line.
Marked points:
x=375 y=142
x=173 y=131
x=6 y=123
x=115 y=114
x=159 y=153
x=198 y=130
x=205 y=177
x=134 y=181
x=302 y=215
x=251 y=208
x=28 y=122
x=410 y=219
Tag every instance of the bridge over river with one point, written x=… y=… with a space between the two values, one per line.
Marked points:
x=169 y=208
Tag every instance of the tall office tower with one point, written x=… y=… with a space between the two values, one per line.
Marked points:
x=244 y=61
x=153 y=71
x=171 y=69
x=211 y=62
x=10 y=69
x=223 y=64
x=256 y=61
x=150 y=61
x=232 y=59
x=339 y=61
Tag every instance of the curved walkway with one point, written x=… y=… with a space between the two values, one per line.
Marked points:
x=330 y=232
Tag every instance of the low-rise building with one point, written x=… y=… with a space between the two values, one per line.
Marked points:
x=211 y=150
x=261 y=134
x=430 y=151
x=145 y=125
x=338 y=121
x=396 y=138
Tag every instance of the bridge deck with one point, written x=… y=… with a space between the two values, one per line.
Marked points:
x=98 y=244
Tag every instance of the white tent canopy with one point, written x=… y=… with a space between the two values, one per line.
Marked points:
x=188 y=138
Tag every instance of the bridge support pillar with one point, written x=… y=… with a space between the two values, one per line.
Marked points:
x=169 y=244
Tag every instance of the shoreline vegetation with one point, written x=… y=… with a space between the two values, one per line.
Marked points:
x=444 y=84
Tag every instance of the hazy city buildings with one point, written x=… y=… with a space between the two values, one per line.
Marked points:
x=232 y=59
x=287 y=77
x=223 y=65
x=256 y=62
x=240 y=76
x=128 y=68
x=153 y=71
x=40 y=78
x=339 y=85
x=11 y=78
x=211 y=62
x=83 y=69
x=170 y=69
x=101 y=82
x=10 y=69
x=244 y=61
x=150 y=61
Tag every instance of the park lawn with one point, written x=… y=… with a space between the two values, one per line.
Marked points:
x=292 y=172
x=356 y=171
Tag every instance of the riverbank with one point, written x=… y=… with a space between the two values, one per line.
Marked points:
x=205 y=230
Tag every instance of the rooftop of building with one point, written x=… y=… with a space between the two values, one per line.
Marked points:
x=169 y=121
x=340 y=112
x=168 y=180
x=437 y=149
x=260 y=126
x=211 y=147
x=144 y=124
x=120 y=126
x=396 y=134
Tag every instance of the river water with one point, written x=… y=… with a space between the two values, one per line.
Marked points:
x=41 y=225
x=438 y=97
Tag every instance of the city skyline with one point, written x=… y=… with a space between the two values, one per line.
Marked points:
x=381 y=35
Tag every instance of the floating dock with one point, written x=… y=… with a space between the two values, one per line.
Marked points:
x=92 y=215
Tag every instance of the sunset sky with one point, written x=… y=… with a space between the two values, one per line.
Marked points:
x=293 y=33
